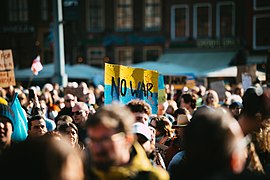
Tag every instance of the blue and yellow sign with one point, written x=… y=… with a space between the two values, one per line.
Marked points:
x=123 y=83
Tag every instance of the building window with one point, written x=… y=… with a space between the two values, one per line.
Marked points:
x=124 y=15
x=151 y=53
x=95 y=56
x=95 y=15
x=261 y=5
x=179 y=22
x=18 y=10
x=202 y=27
x=225 y=20
x=44 y=10
x=124 y=55
x=261 y=29
x=152 y=14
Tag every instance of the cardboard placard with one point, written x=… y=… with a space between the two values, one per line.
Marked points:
x=219 y=87
x=7 y=77
x=74 y=91
x=161 y=149
x=8 y=59
x=11 y=78
x=3 y=79
x=2 y=61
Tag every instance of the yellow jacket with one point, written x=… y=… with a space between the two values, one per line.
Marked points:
x=139 y=168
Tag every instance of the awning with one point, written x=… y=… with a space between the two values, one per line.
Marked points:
x=231 y=72
x=168 y=69
x=256 y=59
x=78 y=71
x=201 y=62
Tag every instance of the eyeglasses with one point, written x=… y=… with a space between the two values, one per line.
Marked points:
x=105 y=140
x=69 y=100
x=77 y=113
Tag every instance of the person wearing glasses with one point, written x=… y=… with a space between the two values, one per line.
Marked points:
x=69 y=104
x=113 y=150
x=80 y=114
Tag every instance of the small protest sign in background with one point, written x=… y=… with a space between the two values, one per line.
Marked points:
x=7 y=77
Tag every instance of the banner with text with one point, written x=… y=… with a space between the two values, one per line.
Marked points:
x=123 y=83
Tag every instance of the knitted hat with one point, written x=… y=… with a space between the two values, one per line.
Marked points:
x=7 y=112
x=3 y=101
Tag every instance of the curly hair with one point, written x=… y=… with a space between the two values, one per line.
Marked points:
x=262 y=138
x=138 y=105
x=163 y=125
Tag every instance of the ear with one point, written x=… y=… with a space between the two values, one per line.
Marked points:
x=236 y=162
x=129 y=139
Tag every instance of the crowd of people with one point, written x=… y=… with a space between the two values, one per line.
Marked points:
x=194 y=135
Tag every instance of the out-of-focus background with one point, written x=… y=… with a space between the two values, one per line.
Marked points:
x=188 y=41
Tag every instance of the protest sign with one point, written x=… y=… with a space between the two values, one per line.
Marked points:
x=219 y=87
x=74 y=91
x=8 y=59
x=7 y=77
x=3 y=79
x=161 y=89
x=123 y=83
x=246 y=81
x=2 y=61
x=161 y=149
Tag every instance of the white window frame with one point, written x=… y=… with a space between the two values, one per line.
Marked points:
x=195 y=20
x=121 y=29
x=255 y=47
x=95 y=62
x=149 y=48
x=173 y=36
x=88 y=27
x=219 y=4
x=155 y=28
x=260 y=8
x=117 y=49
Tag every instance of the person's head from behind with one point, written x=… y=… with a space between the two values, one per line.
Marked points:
x=140 y=109
x=182 y=117
x=163 y=126
x=6 y=124
x=254 y=108
x=235 y=109
x=188 y=101
x=215 y=139
x=36 y=126
x=110 y=135
x=70 y=132
x=64 y=119
x=47 y=158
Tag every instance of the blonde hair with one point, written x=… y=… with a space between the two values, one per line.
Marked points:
x=215 y=96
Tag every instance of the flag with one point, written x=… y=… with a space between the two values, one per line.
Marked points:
x=36 y=65
x=20 y=123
